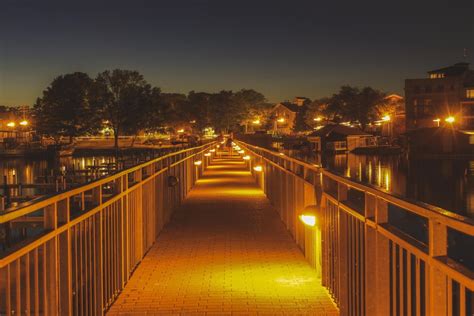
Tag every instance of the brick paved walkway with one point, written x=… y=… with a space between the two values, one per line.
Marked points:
x=225 y=252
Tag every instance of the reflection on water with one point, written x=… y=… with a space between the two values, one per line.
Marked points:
x=446 y=183
x=23 y=171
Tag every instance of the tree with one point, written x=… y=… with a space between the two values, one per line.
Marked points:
x=199 y=109
x=126 y=101
x=319 y=110
x=68 y=107
x=225 y=113
x=252 y=107
x=368 y=101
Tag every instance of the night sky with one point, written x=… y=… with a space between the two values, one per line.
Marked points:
x=280 y=48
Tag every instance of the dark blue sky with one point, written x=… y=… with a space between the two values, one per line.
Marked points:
x=280 y=48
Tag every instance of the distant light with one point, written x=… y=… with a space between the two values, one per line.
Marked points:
x=241 y=151
x=450 y=119
x=207 y=154
x=281 y=120
x=246 y=157
x=256 y=122
x=281 y=154
x=181 y=130
x=258 y=168
x=318 y=119
x=437 y=120
x=11 y=124
x=24 y=123
x=197 y=162
x=386 y=118
x=309 y=220
x=192 y=122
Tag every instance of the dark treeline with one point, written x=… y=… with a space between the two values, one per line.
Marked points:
x=122 y=100
x=76 y=104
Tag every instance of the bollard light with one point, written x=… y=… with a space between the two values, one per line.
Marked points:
x=309 y=215
x=212 y=150
x=207 y=154
x=246 y=157
x=241 y=151
x=258 y=168
x=197 y=162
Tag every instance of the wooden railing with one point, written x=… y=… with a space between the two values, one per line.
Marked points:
x=377 y=254
x=72 y=253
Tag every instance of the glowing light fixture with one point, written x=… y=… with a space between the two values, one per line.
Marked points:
x=318 y=119
x=386 y=118
x=450 y=119
x=207 y=154
x=308 y=219
x=281 y=154
x=24 y=123
x=11 y=124
x=309 y=215
x=258 y=168
x=437 y=120
x=246 y=157
x=212 y=150
x=241 y=151
x=256 y=122
x=197 y=162
x=281 y=120
x=180 y=130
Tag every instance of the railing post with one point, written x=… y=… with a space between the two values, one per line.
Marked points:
x=51 y=293
x=381 y=292
x=438 y=282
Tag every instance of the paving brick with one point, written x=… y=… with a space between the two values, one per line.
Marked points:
x=225 y=252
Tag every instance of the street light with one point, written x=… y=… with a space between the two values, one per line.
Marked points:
x=24 y=123
x=281 y=120
x=317 y=119
x=450 y=119
x=386 y=118
x=256 y=122
x=11 y=124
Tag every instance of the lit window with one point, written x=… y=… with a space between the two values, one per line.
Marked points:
x=470 y=93
x=436 y=75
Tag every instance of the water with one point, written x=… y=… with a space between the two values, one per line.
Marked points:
x=446 y=183
x=32 y=171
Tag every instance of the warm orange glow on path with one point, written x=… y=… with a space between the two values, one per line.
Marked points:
x=225 y=252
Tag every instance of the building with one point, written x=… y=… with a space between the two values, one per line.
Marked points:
x=340 y=138
x=286 y=115
x=445 y=97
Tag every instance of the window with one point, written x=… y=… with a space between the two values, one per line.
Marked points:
x=436 y=75
x=470 y=93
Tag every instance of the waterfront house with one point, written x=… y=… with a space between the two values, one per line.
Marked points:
x=285 y=115
x=340 y=138
x=445 y=97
